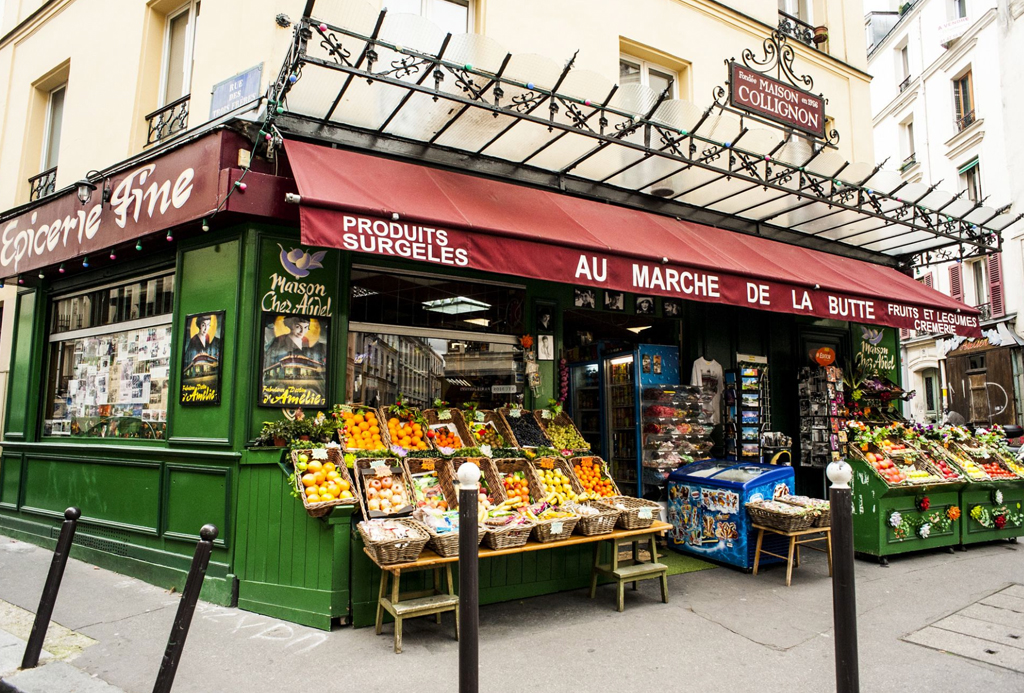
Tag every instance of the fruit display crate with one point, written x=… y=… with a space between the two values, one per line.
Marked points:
x=525 y=429
x=564 y=423
x=993 y=508
x=897 y=518
x=451 y=419
x=478 y=418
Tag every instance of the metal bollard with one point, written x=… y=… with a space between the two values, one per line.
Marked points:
x=49 y=598
x=186 y=607
x=844 y=598
x=469 y=579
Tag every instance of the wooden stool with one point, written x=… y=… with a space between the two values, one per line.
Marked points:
x=794 y=544
x=631 y=572
x=414 y=604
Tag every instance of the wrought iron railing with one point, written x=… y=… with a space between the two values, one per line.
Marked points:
x=908 y=162
x=43 y=184
x=964 y=121
x=795 y=27
x=168 y=121
x=986 y=311
x=905 y=84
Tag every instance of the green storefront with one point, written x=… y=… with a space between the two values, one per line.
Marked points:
x=148 y=354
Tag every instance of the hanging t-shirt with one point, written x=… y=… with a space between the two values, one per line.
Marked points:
x=708 y=375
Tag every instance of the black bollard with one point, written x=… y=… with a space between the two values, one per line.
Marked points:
x=186 y=607
x=844 y=598
x=469 y=579
x=50 y=589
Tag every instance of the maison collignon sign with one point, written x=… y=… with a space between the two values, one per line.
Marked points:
x=776 y=101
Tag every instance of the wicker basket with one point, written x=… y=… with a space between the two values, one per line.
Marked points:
x=510 y=537
x=448 y=475
x=542 y=464
x=506 y=467
x=780 y=521
x=602 y=465
x=385 y=438
x=504 y=412
x=433 y=419
x=494 y=418
x=363 y=468
x=546 y=531
x=821 y=508
x=559 y=419
x=396 y=550
x=602 y=523
x=415 y=466
x=824 y=518
x=324 y=507
x=630 y=517
x=384 y=416
x=447 y=545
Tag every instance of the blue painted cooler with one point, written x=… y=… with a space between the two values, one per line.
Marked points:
x=706 y=507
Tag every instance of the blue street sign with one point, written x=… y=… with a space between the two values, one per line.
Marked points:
x=236 y=91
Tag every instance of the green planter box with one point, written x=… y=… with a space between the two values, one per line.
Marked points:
x=874 y=502
x=983 y=494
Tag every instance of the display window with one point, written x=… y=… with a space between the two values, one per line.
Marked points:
x=110 y=353
x=421 y=337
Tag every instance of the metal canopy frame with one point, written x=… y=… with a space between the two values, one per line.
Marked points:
x=366 y=88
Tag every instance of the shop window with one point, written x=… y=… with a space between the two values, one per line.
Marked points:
x=110 y=351
x=179 y=45
x=422 y=337
x=453 y=16
x=976 y=362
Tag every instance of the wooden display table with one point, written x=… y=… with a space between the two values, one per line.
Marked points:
x=794 y=543
x=442 y=598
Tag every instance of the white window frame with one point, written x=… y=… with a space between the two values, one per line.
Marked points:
x=981 y=286
x=645 y=68
x=427 y=11
x=190 y=30
x=47 y=125
x=801 y=9
x=959 y=5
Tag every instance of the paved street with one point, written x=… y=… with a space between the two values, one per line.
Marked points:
x=720 y=627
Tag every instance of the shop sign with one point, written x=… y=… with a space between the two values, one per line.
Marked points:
x=178 y=187
x=504 y=389
x=537 y=260
x=876 y=351
x=235 y=92
x=825 y=356
x=776 y=101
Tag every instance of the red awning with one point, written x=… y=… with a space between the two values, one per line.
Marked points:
x=381 y=207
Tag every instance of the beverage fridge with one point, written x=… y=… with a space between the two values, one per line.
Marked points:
x=584 y=404
x=625 y=376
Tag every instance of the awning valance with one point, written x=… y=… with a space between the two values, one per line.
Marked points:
x=394 y=209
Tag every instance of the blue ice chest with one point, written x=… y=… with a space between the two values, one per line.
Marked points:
x=706 y=507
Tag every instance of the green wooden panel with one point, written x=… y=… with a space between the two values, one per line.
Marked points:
x=10 y=478
x=122 y=493
x=23 y=381
x=983 y=494
x=196 y=496
x=208 y=280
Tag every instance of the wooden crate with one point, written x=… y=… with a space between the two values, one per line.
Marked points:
x=493 y=417
x=559 y=419
x=433 y=419
x=363 y=470
x=488 y=473
x=382 y=424
x=506 y=416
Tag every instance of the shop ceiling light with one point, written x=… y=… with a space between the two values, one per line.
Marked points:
x=456 y=305
x=483 y=322
x=638 y=330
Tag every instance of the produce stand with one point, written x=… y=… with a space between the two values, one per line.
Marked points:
x=992 y=507
x=429 y=600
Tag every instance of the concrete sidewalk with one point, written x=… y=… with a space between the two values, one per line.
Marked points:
x=722 y=631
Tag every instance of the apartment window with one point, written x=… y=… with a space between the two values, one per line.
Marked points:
x=636 y=71
x=959 y=9
x=452 y=16
x=979 y=270
x=54 y=122
x=799 y=9
x=963 y=100
x=179 y=45
x=970 y=180
x=909 y=147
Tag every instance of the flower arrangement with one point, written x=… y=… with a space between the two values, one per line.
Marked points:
x=923 y=503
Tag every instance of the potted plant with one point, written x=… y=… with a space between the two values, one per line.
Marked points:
x=275 y=433
x=820 y=35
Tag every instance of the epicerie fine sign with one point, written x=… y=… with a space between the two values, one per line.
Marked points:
x=776 y=101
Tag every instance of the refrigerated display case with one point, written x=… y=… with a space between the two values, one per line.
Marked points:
x=585 y=402
x=676 y=430
x=706 y=508
x=625 y=375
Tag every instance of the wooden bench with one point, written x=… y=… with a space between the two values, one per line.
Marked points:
x=442 y=598
x=795 y=542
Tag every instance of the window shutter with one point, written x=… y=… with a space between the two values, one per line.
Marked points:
x=956 y=288
x=928 y=280
x=995 y=284
x=904 y=333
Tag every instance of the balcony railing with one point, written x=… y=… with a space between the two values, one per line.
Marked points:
x=905 y=84
x=986 y=311
x=43 y=184
x=165 y=123
x=796 y=28
x=965 y=121
x=908 y=162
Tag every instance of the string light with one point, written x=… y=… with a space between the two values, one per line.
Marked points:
x=113 y=255
x=61 y=269
x=85 y=261
x=206 y=226
x=170 y=235
x=41 y=275
x=138 y=246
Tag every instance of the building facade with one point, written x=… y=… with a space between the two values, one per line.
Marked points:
x=946 y=78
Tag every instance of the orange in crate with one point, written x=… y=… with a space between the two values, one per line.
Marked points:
x=361 y=431
x=407 y=434
x=592 y=479
x=445 y=437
